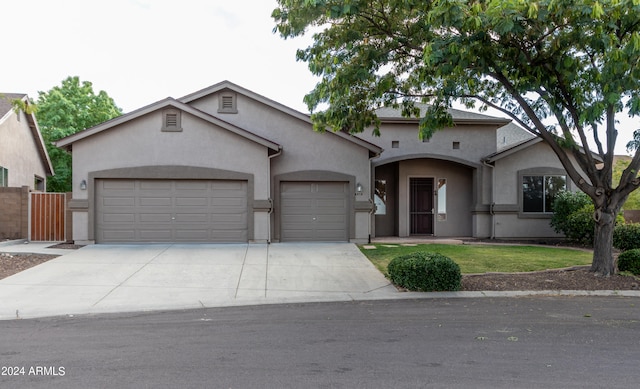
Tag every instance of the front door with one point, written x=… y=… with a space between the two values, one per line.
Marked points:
x=421 y=206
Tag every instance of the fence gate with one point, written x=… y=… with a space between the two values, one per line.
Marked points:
x=47 y=217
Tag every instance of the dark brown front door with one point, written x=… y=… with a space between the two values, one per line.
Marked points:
x=421 y=206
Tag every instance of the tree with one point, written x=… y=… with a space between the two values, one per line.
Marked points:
x=633 y=201
x=563 y=69
x=65 y=110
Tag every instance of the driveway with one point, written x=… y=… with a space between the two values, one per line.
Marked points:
x=130 y=278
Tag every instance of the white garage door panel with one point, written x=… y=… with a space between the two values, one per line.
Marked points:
x=171 y=211
x=314 y=211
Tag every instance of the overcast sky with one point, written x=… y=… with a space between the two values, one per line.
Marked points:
x=141 y=51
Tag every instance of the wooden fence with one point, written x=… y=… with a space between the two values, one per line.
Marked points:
x=47 y=217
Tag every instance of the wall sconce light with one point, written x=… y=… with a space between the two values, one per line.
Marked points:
x=83 y=185
x=358 y=188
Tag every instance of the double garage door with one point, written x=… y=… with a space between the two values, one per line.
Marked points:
x=170 y=211
x=314 y=211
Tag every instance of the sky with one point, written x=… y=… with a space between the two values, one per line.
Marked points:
x=142 y=51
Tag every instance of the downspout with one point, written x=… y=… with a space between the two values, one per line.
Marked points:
x=270 y=189
x=492 y=205
x=372 y=185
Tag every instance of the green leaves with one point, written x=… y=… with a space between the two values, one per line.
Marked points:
x=65 y=110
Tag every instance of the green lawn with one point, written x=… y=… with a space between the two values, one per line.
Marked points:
x=486 y=258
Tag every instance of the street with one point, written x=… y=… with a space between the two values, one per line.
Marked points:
x=533 y=342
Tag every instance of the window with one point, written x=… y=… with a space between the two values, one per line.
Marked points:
x=4 y=177
x=171 y=120
x=456 y=145
x=38 y=183
x=395 y=144
x=539 y=191
x=442 y=199
x=227 y=103
x=380 y=197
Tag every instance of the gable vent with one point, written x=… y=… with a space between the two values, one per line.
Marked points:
x=172 y=120
x=227 y=102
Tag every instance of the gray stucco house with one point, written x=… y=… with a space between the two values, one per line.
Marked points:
x=23 y=156
x=225 y=164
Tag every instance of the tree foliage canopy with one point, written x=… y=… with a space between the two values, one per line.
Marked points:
x=65 y=110
x=563 y=69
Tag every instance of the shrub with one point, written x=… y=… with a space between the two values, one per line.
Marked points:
x=425 y=271
x=573 y=217
x=630 y=261
x=626 y=236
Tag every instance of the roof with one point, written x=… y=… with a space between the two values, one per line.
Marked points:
x=394 y=115
x=227 y=85
x=6 y=109
x=523 y=143
x=5 y=102
x=68 y=141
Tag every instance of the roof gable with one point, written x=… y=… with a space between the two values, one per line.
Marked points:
x=68 y=141
x=7 y=109
x=227 y=85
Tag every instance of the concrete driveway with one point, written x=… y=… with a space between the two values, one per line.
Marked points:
x=129 y=278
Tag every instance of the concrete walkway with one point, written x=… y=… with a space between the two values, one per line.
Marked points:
x=134 y=278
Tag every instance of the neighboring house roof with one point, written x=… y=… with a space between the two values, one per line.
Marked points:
x=227 y=85
x=6 y=109
x=393 y=115
x=68 y=141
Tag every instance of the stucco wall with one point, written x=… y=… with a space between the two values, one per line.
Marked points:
x=141 y=142
x=475 y=142
x=509 y=221
x=302 y=148
x=459 y=201
x=19 y=153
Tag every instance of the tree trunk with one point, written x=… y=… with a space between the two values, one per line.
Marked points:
x=603 y=262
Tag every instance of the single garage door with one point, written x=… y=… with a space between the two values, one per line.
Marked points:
x=314 y=211
x=170 y=211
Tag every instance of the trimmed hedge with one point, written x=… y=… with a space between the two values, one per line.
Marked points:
x=425 y=272
x=630 y=261
x=626 y=236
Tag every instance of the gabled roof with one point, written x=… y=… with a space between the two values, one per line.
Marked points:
x=5 y=102
x=6 y=110
x=393 y=115
x=68 y=141
x=227 y=85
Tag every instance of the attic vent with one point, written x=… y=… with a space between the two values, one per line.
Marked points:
x=227 y=103
x=171 y=120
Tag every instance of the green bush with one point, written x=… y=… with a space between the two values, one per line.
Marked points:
x=425 y=271
x=626 y=236
x=630 y=261
x=573 y=217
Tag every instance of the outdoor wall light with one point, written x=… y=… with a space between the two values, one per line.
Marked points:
x=358 y=188
x=83 y=185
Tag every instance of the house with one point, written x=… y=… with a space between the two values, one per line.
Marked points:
x=225 y=164
x=23 y=156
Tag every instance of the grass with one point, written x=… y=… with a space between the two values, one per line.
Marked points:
x=486 y=258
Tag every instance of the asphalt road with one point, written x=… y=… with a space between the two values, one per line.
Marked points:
x=537 y=342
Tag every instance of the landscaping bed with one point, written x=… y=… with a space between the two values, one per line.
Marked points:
x=508 y=267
